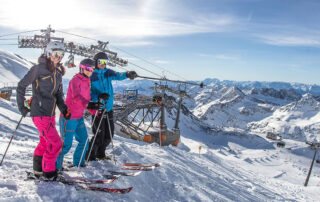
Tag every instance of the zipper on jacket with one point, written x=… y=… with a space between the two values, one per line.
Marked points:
x=54 y=87
x=104 y=89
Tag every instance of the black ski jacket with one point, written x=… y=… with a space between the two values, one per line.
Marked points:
x=46 y=90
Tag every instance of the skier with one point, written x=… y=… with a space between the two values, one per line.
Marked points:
x=78 y=98
x=46 y=80
x=101 y=88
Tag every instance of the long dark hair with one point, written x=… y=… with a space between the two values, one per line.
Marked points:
x=50 y=66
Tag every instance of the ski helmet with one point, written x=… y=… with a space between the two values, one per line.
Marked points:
x=54 y=46
x=100 y=55
x=86 y=64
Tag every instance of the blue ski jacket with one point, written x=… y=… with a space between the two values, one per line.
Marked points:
x=101 y=83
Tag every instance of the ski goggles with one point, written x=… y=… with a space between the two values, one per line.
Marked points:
x=87 y=67
x=56 y=54
x=102 y=61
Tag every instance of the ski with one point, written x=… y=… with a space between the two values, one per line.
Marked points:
x=74 y=180
x=84 y=186
x=139 y=168
x=141 y=164
x=105 y=189
x=119 y=173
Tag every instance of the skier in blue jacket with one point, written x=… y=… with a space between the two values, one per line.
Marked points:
x=101 y=89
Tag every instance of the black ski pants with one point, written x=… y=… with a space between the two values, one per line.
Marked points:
x=103 y=138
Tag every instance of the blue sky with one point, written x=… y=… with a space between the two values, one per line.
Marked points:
x=256 y=40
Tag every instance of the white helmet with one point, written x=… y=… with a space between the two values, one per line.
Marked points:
x=54 y=46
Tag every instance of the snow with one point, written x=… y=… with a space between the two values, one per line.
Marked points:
x=12 y=67
x=234 y=163
x=230 y=167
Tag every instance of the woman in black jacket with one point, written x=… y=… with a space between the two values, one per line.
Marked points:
x=46 y=80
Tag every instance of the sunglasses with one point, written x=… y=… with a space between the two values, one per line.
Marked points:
x=87 y=67
x=56 y=54
x=102 y=61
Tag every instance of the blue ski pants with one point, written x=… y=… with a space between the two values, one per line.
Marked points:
x=68 y=129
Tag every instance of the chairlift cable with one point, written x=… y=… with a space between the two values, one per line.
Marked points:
x=9 y=39
x=78 y=35
x=115 y=48
x=148 y=62
x=19 y=33
x=120 y=50
x=3 y=44
x=128 y=54
x=145 y=69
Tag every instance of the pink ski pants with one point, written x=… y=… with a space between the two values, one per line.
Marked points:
x=50 y=142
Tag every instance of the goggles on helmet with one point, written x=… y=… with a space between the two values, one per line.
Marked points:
x=87 y=67
x=102 y=61
x=57 y=53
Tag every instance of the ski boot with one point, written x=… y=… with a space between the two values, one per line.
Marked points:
x=52 y=176
x=37 y=166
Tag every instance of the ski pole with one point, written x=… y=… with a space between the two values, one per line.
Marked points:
x=63 y=136
x=114 y=156
x=95 y=135
x=310 y=169
x=176 y=81
x=87 y=140
x=11 y=140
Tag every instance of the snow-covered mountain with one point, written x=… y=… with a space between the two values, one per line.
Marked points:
x=12 y=67
x=298 y=120
x=223 y=105
x=234 y=162
x=228 y=106
x=247 y=85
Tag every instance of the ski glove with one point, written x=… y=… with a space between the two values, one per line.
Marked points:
x=131 y=75
x=104 y=96
x=66 y=114
x=24 y=111
x=95 y=105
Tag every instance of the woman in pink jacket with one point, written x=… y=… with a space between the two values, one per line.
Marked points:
x=78 y=99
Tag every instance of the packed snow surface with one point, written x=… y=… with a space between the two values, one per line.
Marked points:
x=233 y=166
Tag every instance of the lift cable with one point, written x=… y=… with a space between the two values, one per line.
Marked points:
x=8 y=44
x=163 y=69
x=20 y=33
x=9 y=39
x=128 y=54
x=78 y=35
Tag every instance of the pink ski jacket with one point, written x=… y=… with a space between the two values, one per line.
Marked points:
x=78 y=95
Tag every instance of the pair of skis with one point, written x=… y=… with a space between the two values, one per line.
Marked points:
x=140 y=166
x=133 y=167
x=85 y=184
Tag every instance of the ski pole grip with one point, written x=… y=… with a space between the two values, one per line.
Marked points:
x=29 y=102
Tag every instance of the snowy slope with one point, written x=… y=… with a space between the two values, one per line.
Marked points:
x=12 y=67
x=235 y=163
x=298 y=120
x=230 y=167
x=228 y=106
